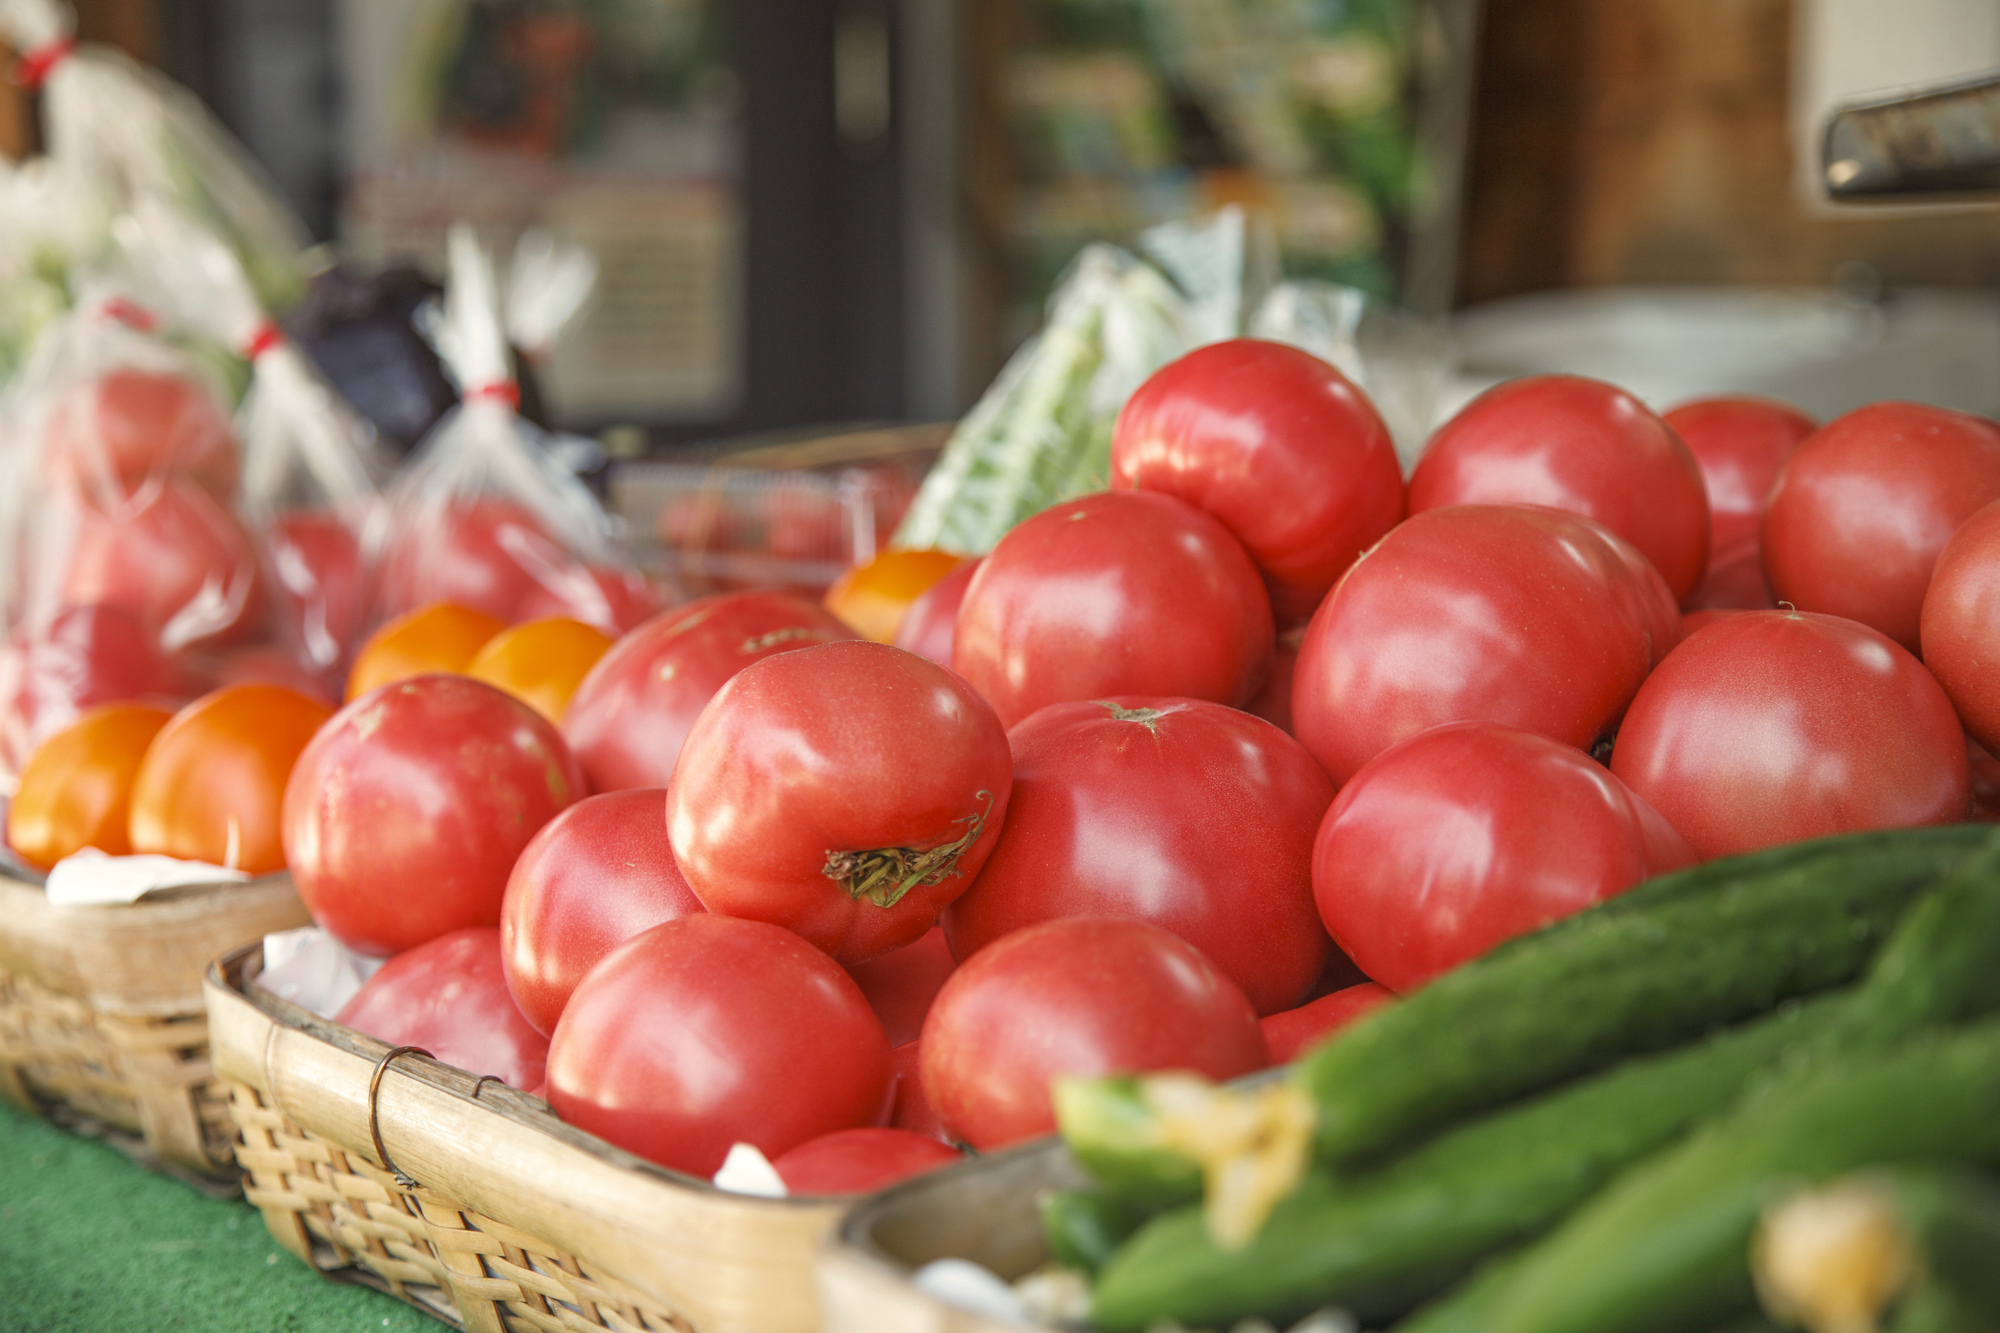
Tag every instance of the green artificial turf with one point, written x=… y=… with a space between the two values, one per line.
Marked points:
x=90 y=1243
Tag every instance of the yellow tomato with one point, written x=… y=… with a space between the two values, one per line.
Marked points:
x=439 y=637
x=542 y=662
x=76 y=789
x=873 y=598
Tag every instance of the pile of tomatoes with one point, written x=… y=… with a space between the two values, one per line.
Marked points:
x=1183 y=774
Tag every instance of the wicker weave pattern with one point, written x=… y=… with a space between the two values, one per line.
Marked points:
x=349 y=1218
x=148 y=1076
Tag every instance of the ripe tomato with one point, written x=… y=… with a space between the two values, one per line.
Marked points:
x=484 y=552
x=1862 y=510
x=1772 y=726
x=1276 y=444
x=263 y=664
x=597 y=874
x=321 y=588
x=847 y=792
x=1186 y=814
x=1985 y=782
x=861 y=1161
x=1522 y=615
x=1469 y=834
x=901 y=984
x=213 y=781
x=541 y=663
x=1290 y=1034
x=927 y=629
x=86 y=655
x=630 y=715
x=1741 y=444
x=1274 y=701
x=435 y=638
x=111 y=435
x=447 y=996
x=1128 y=592
x=171 y=556
x=874 y=598
x=613 y=598
x=1581 y=445
x=912 y=1110
x=1080 y=996
x=407 y=811
x=76 y=789
x=1961 y=624
x=665 y=1051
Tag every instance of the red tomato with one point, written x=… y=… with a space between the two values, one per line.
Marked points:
x=1128 y=592
x=1527 y=616
x=483 y=552
x=927 y=628
x=1961 y=624
x=262 y=664
x=1274 y=701
x=629 y=717
x=596 y=875
x=1581 y=445
x=1081 y=996
x=1469 y=834
x=901 y=984
x=665 y=1051
x=861 y=1161
x=171 y=556
x=448 y=997
x=847 y=792
x=1772 y=726
x=87 y=655
x=612 y=598
x=1862 y=510
x=875 y=598
x=1741 y=444
x=1186 y=814
x=1290 y=1034
x=321 y=588
x=111 y=435
x=1280 y=447
x=407 y=811
x=1985 y=782
x=912 y=1110
x=1695 y=620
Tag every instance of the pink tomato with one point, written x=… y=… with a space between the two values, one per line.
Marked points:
x=448 y=997
x=861 y=1161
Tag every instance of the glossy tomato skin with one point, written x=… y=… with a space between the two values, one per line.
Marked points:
x=861 y=1161
x=448 y=997
x=404 y=816
x=1080 y=996
x=1291 y=1033
x=112 y=434
x=1486 y=613
x=927 y=629
x=1864 y=507
x=1469 y=834
x=438 y=637
x=630 y=716
x=76 y=789
x=1742 y=445
x=1127 y=592
x=901 y=984
x=912 y=1110
x=171 y=556
x=774 y=1064
x=212 y=784
x=1183 y=813
x=1273 y=701
x=86 y=655
x=597 y=874
x=482 y=552
x=873 y=599
x=1768 y=727
x=809 y=768
x=1279 y=446
x=1961 y=624
x=1581 y=445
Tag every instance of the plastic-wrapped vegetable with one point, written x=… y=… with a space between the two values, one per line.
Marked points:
x=50 y=228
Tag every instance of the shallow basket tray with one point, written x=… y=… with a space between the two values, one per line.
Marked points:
x=102 y=1025
x=487 y=1210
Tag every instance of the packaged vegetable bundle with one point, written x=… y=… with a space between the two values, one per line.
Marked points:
x=51 y=228
x=482 y=516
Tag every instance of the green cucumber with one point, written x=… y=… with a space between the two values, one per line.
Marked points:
x=1672 y=958
x=1663 y=1250
x=1105 y=1122
x=1084 y=1227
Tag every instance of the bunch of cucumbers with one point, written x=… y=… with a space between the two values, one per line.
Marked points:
x=1580 y=1132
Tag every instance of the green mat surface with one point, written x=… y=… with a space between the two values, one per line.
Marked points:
x=90 y=1243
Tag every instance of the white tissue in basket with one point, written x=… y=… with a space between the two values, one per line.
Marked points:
x=90 y=878
x=314 y=970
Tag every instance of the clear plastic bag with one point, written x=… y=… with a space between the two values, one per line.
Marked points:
x=482 y=516
x=51 y=229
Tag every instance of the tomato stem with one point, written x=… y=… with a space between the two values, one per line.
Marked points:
x=1145 y=717
x=884 y=875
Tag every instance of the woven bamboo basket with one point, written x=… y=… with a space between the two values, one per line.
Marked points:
x=474 y=1202
x=102 y=1025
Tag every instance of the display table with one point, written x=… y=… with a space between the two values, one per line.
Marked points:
x=90 y=1243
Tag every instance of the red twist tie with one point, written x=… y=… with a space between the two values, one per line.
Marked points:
x=33 y=68
x=507 y=391
x=131 y=314
x=267 y=336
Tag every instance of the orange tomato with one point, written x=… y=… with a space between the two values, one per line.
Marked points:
x=873 y=598
x=542 y=662
x=76 y=789
x=212 y=784
x=438 y=637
